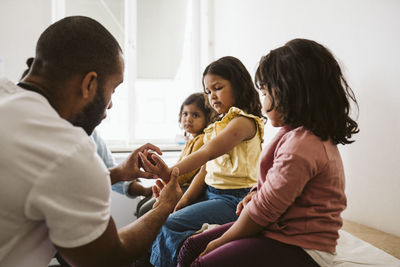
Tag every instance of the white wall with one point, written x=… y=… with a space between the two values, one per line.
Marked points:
x=365 y=36
x=21 y=23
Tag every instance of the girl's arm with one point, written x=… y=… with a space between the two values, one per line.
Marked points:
x=242 y=204
x=186 y=179
x=243 y=227
x=196 y=187
x=239 y=129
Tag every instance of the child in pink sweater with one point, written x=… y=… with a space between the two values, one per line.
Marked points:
x=292 y=217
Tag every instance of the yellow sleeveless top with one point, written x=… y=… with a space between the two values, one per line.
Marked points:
x=238 y=168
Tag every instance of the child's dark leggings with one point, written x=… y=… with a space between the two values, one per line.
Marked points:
x=254 y=251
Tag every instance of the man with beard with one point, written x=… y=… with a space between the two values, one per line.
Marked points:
x=130 y=189
x=54 y=189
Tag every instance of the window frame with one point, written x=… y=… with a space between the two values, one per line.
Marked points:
x=202 y=54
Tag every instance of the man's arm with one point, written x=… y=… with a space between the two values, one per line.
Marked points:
x=116 y=248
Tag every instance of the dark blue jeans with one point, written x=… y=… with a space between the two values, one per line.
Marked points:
x=216 y=206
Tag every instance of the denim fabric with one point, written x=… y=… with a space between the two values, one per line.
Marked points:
x=216 y=206
x=118 y=187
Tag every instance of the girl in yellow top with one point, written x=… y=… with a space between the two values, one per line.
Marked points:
x=228 y=159
x=194 y=116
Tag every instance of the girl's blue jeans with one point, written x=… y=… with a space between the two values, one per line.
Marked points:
x=216 y=206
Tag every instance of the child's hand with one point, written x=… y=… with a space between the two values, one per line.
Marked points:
x=216 y=243
x=181 y=204
x=244 y=202
x=159 y=185
x=154 y=164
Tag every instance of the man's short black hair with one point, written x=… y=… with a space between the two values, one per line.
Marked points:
x=75 y=46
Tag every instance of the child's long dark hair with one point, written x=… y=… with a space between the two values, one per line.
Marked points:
x=199 y=100
x=244 y=91
x=308 y=89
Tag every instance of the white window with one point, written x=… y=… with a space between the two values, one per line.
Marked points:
x=164 y=54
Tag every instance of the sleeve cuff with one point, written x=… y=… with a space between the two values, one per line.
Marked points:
x=252 y=211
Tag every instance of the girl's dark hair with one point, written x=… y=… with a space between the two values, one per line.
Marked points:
x=28 y=62
x=199 y=100
x=244 y=91
x=308 y=89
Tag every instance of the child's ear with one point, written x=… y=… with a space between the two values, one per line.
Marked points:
x=89 y=85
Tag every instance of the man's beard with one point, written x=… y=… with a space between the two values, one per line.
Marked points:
x=93 y=113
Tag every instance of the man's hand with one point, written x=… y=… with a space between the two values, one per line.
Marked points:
x=130 y=168
x=168 y=194
x=244 y=202
x=155 y=165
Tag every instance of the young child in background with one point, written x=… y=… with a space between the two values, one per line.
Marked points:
x=228 y=159
x=194 y=116
x=292 y=217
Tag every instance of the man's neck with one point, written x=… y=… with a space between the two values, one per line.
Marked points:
x=32 y=86
x=40 y=87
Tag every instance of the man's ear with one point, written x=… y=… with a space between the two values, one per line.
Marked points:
x=89 y=85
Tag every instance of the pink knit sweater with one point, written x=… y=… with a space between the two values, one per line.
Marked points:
x=300 y=191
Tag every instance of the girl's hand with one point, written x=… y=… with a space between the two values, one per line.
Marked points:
x=244 y=202
x=154 y=164
x=216 y=243
x=159 y=185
